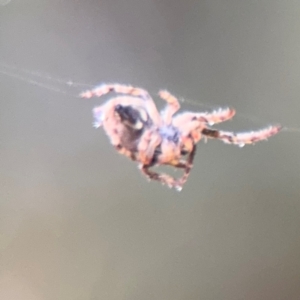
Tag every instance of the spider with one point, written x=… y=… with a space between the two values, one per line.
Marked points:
x=139 y=131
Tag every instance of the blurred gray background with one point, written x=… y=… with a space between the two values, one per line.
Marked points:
x=78 y=221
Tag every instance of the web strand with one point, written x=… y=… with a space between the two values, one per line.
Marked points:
x=34 y=82
x=36 y=78
x=44 y=76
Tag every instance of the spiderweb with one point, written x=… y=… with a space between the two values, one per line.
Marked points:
x=72 y=88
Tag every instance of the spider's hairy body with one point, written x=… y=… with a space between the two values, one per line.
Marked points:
x=170 y=133
x=137 y=130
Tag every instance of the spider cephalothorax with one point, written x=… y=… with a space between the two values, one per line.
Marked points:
x=152 y=138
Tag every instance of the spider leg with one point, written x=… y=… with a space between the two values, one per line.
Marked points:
x=216 y=116
x=167 y=179
x=187 y=166
x=124 y=151
x=162 y=178
x=105 y=89
x=243 y=138
x=172 y=106
x=147 y=145
x=193 y=120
